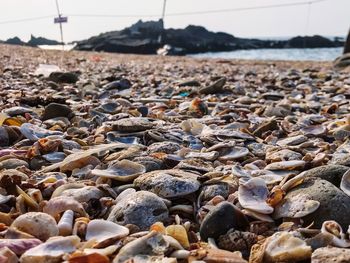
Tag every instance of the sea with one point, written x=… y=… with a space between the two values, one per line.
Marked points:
x=300 y=54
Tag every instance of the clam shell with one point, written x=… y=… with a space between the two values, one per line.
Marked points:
x=19 y=246
x=284 y=247
x=345 y=183
x=286 y=165
x=179 y=233
x=234 y=153
x=123 y=170
x=253 y=195
x=103 y=231
x=295 y=207
x=34 y=133
x=51 y=251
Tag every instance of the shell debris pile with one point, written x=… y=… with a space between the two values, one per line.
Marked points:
x=150 y=159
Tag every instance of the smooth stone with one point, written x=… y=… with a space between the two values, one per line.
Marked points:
x=331 y=173
x=276 y=111
x=168 y=183
x=334 y=203
x=212 y=190
x=164 y=147
x=54 y=110
x=141 y=209
x=118 y=84
x=221 y=219
x=330 y=254
x=64 y=77
x=132 y=124
x=341 y=159
x=13 y=163
x=14 y=111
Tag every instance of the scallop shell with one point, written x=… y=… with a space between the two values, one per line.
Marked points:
x=51 y=251
x=284 y=247
x=345 y=182
x=123 y=170
x=295 y=207
x=253 y=195
x=105 y=231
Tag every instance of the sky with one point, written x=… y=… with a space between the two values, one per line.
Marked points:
x=328 y=17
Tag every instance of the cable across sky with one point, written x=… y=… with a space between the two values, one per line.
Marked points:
x=203 y=12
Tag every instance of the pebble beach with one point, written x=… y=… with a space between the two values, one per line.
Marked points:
x=140 y=158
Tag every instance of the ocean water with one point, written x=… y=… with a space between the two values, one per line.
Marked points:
x=314 y=54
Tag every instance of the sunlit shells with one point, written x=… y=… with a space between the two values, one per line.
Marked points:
x=123 y=170
x=105 y=231
x=253 y=195
x=284 y=247
x=234 y=153
x=286 y=165
x=295 y=207
x=51 y=251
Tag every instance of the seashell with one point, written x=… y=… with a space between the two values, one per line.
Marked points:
x=234 y=153
x=80 y=163
x=179 y=233
x=35 y=194
x=333 y=228
x=57 y=205
x=253 y=195
x=105 y=232
x=152 y=244
x=83 y=154
x=34 y=133
x=345 y=182
x=210 y=156
x=19 y=246
x=295 y=207
x=59 y=190
x=90 y=258
x=80 y=226
x=40 y=225
x=27 y=199
x=51 y=251
x=180 y=254
x=102 y=251
x=115 y=137
x=14 y=233
x=132 y=124
x=294 y=140
x=54 y=157
x=158 y=227
x=65 y=225
x=192 y=126
x=215 y=255
x=284 y=247
x=286 y=165
x=6 y=255
x=123 y=170
x=258 y=216
x=173 y=243
x=84 y=194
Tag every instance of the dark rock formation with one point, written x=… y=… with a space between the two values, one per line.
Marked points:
x=310 y=42
x=15 y=41
x=148 y=37
x=37 y=41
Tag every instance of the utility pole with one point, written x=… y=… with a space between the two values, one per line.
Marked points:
x=60 y=19
x=163 y=17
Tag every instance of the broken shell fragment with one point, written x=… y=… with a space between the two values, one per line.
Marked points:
x=253 y=195
x=179 y=233
x=286 y=165
x=65 y=225
x=345 y=182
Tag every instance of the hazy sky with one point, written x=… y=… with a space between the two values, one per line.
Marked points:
x=330 y=17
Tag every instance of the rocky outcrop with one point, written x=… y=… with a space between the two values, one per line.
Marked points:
x=148 y=37
x=37 y=41
x=15 y=41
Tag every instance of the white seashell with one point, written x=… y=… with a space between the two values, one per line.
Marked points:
x=253 y=195
x=286 y=165
x=234 y=153
x=284 y=247
x=104 y=231
x=333 y=228
x=345 y=182
x=258 y=216
x=102 y=251
x=123 y=170
x=51 y=251
x=295 y=207
x=57 y=205
x=210 y=156
x=192 y=126
x=65 y=225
